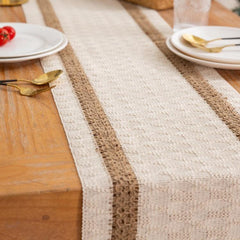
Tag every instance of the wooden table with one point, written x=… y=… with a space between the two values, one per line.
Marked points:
x=40 y=192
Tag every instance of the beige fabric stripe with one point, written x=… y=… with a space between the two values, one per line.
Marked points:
x=125 y=184
x=216 y=101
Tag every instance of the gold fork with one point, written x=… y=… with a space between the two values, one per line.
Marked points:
x=28 y=91
x=200 y=41
x=213 y=49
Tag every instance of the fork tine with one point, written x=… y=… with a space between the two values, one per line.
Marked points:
x=43 y=90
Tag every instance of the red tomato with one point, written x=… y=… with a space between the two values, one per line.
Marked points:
x=11 y=32
x=4 y=37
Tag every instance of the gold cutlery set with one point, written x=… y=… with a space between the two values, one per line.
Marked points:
x=211 y=46
x=40 y=80
x=201 y=43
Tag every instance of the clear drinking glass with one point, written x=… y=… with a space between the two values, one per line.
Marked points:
x=189 y=13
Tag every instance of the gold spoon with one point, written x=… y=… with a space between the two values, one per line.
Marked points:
x=28 y=91
x=200 y=41
x=42 y=79
x=214 y=49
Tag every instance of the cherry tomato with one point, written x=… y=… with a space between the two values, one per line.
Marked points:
x=11 y=31
x=4 y=37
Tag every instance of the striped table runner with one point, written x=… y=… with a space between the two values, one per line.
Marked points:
x=155 y=138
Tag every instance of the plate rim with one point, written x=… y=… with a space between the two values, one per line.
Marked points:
x=203 y=62
x=189 y=52
x=60 y=34
x=36 y=56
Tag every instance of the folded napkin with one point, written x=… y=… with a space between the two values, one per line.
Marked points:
x=155 y=4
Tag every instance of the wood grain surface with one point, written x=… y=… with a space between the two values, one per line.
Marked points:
x=40 y=192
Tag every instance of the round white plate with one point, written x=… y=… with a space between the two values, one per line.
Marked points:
x=30 y=40
x=200 y=61
x=21 y=59
x=228 y=55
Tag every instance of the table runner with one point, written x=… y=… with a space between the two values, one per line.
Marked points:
x=154 y=139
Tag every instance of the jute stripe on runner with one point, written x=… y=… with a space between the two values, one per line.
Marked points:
x=125 y=185
x=217 y=81
x=96 y=182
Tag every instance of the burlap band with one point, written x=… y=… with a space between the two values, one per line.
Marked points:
x=125 y=185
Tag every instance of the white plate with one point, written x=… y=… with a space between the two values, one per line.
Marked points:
x=200 y=61
x=228 y=55
x=30 y=40
x=21 y=59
